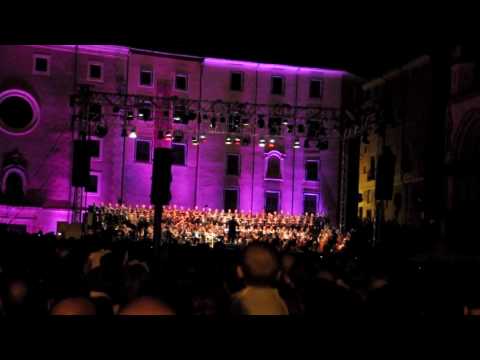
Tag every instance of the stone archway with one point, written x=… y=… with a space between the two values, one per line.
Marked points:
x=465 y=184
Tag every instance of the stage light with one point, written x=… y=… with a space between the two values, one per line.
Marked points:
x=271 y=146
x=245 y=122
x=238 y=141
x=228 y=140
x=272 y=141
x=202 y=137
x=296 y=144
x=101 y=130
x=213 y=122
x=306 y=143
x=130 y=115
x=133 y=134
x=168 y=135
x=285 y=122
x=194 y=141
x=261 y=142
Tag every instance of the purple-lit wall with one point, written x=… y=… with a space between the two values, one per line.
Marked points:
x=196 y=184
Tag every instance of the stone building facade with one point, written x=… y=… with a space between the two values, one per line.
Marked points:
x=36 y=133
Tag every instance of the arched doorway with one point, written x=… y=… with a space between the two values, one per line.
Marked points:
x=465 y=185
x=13 y=187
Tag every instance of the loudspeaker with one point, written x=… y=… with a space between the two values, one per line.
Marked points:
x=81 y=163
x=161 y=176
x=385 y=175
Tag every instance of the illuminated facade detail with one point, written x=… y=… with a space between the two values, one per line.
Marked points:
x=199 y=172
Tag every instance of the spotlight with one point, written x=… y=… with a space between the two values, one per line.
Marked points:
x=296 y=144
x=202 y=137
x=130 y=115
x=306 y=144
x=285 y=122
x=194 y=141
x=228 y=140
x=301 y=128
x=145 y=113
x=101 y=130
x=237 y=140
x=272 y=141
x=168 y=136
x=261 y=142
x=213 y=122
x=133 y=134
x=271 y=146
x=245 y=122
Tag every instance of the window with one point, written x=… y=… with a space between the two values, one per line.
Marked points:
x=94 y=148
x=310 y=203
x=41 y=64
x=230 y=199
x=181 y=82
x=272 y=201
x=311 y=170
x=19 y=112
x=146 y=77
x=233 y=164
x=95 y=71
x=236 y=81
x=371 y=171
x=277 y=85
x=92 y=186
x=273 y=168
x=316 y=88
x=178 y=154
x=142 y=151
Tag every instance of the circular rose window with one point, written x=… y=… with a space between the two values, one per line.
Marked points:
x=19 y=112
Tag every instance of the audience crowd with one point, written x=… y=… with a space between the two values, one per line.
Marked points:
x=104 y=274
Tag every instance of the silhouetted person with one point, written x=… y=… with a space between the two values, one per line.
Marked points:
x=147 y=306
x=259 y=270
x=74 y=306
x=232 y=230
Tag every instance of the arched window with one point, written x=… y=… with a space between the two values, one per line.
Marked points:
x=13 y=186
x=274 y=167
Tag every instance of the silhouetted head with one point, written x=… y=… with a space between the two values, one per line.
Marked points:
x=259 y=265
x=74 y=306
x=146 y=306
